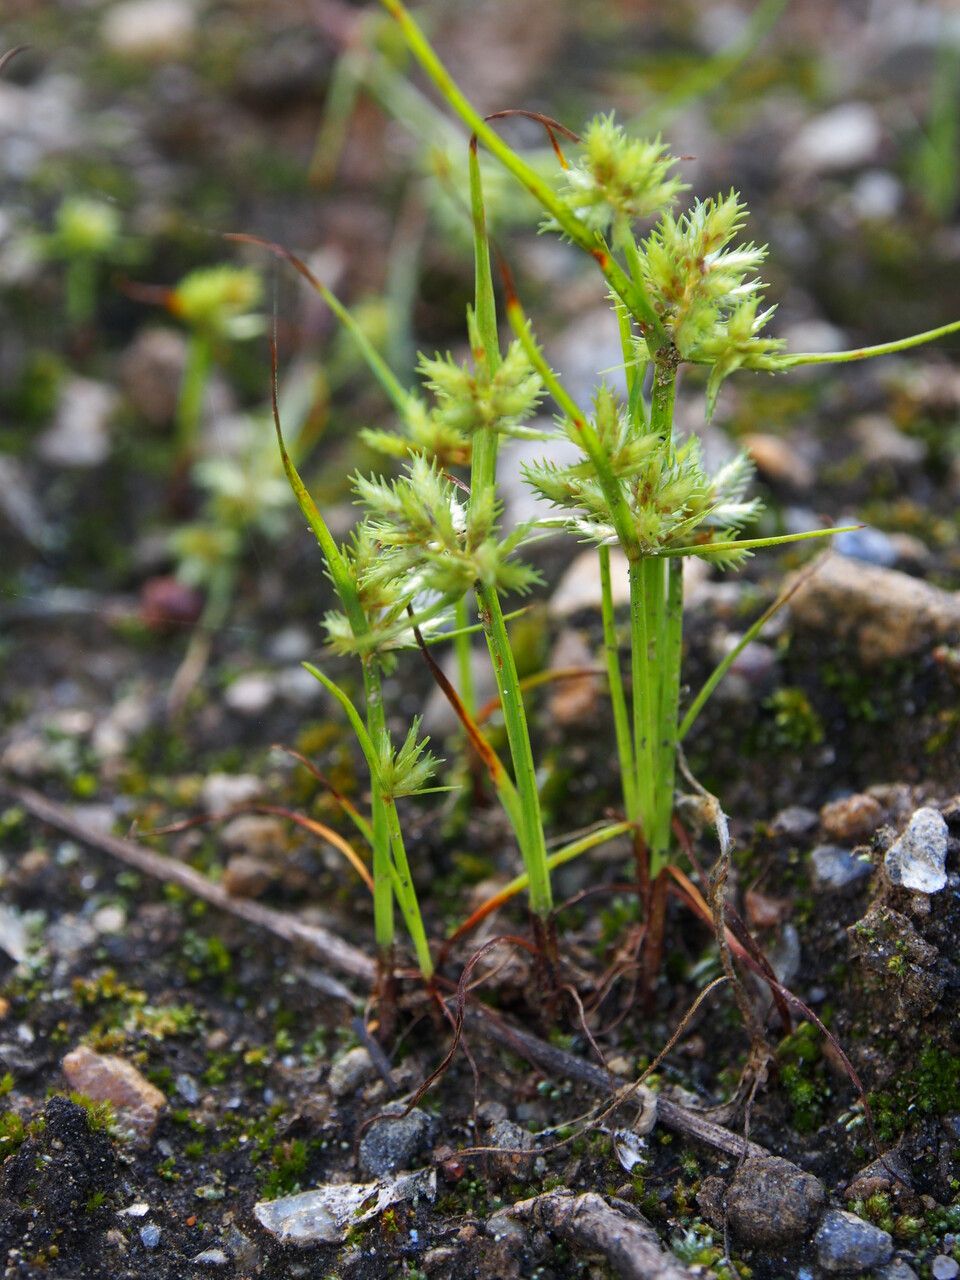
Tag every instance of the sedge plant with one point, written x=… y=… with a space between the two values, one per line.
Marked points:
x=217 y=305
x=686 y=292
x=85 y=236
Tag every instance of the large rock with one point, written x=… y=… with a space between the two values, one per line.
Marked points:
x=771 y=1201
x=887 y=614
x=104 y=1078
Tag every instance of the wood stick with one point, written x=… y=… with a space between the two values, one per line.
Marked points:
x=325 y=945
x=630 y=1244
x=558 y=1062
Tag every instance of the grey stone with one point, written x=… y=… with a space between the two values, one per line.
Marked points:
x=770 y=1201
x=211 y=1258
x=150 y=1235
x=521 y=503
x=187 y=1088
x=503 y=1226
x=890 y=1168
x=794 y=822
x=882 y=442
x=251 y=694
x=80 y=433
x=350 y=1071
x=876 y=195
x=439 y=718
x=68 y=937
x=845 y=137
x=895 y=1270
x=918 y=859
x=149 y=30
x=872 y=546
x=110 y=919
x=944 y=1268
x=513 y=1139
x=30 y=757
x=292 y=644
x=297 y=686
x=834 y=869
x=223 y=791
x=579 y=587
x=14 y=936
x=848 y=1244
x=394 y=1140
x=126 y=719
x=20 y=507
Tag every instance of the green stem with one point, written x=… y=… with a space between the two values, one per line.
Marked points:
x=483 y=482
x=463 y=651
x=641 y=672
x=634 y=296
x=621 y=719
x=81 y=291
x=661 y=403
x=669 y=712
x=530 y=836
x=656 y=616
x=406 y=894
x=192 y=390
x=867 y=353
x=383 y=921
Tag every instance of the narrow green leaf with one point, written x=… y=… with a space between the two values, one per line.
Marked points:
x=752 y=544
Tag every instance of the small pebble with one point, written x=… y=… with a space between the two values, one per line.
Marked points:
x=944 y=1268
x=187 y=1088
x=834 y=869
x=106 y=1078
x=350 y=1071
x=251 y=694
x=918 y=859
x=777 y=460
x=223 y=791
x=853 y=817
x=846 y=1243
x=794 y=822
x=869 y=545
x=150 y=1235
x=847 y=136
x=393 y=1141
x=211 y=1258
x=110 y=919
